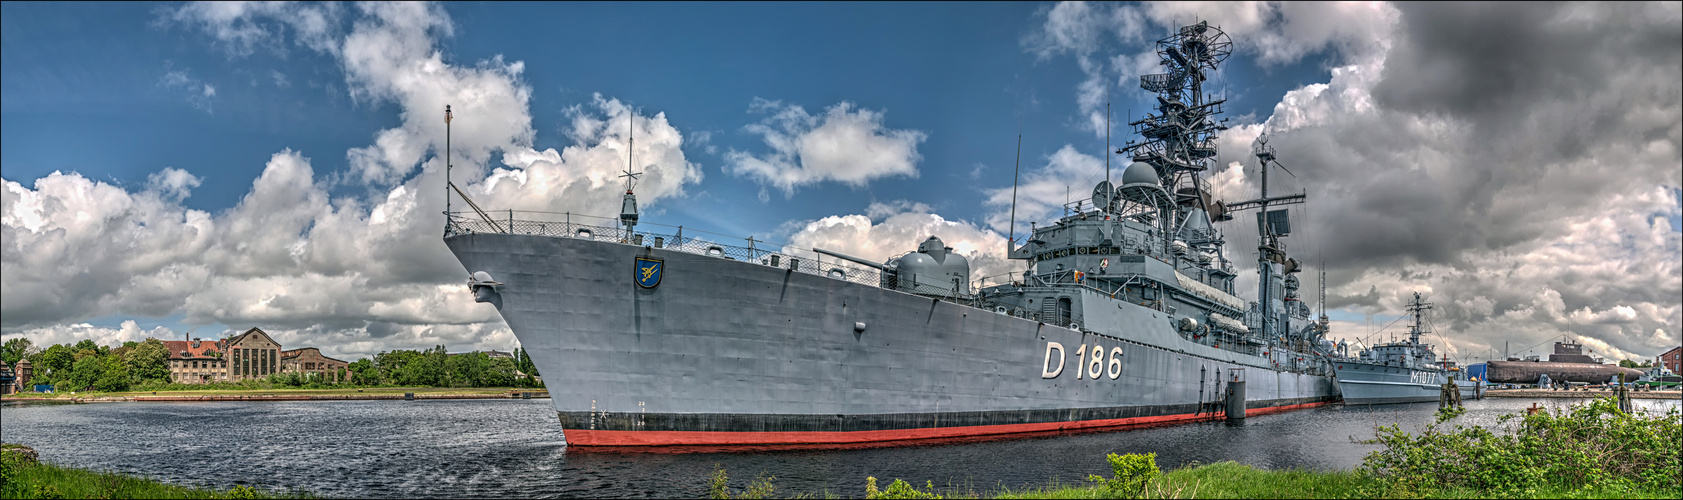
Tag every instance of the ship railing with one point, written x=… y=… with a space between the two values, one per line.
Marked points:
x=572 y=225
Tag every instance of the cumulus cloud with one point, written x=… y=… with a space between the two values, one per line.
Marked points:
x=241 y=28
x=1067 y=174
x=889 y=229
x=842 y=144
x=585 y=177
x=352 y=275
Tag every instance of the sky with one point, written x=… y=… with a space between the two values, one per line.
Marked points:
x=175 y=170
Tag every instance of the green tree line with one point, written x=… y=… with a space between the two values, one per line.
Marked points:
x=144 y=365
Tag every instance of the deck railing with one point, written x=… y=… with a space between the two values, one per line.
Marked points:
x=571 y=225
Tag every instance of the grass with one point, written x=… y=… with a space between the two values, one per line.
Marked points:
x=23 y=479
x=1235 y=480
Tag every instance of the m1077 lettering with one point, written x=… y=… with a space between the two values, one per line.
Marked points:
x=1090 y=362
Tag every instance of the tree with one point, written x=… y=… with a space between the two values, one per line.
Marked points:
x=89 y=345
x=114 y=374
x=84 y=373
x=16 y=349
x=148 y=360
x=500 y=373
x=363 y=372
x=54 y=364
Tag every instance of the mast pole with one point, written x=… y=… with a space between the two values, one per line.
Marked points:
x=1011 y=243
x=446 y=162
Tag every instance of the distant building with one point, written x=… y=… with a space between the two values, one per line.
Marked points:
x=250 y=355
x=310 y=360
x=8 y=380
x=197 y=361
x=493 y=354
x=1673 y=359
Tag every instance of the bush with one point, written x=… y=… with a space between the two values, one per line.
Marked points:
x=719 y=486
x=1585 y=447
x=1132 y=471
x=899 y=489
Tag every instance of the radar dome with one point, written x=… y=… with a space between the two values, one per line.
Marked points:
x=1139 y=173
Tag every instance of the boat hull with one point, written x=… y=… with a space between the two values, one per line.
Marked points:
x=726 y=352
x=1366 y=383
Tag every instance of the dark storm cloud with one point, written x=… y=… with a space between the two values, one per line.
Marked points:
x=1508 y=161
x=1491 y=123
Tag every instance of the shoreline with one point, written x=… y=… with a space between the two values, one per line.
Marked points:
x=1574 y=394
x=398 y=394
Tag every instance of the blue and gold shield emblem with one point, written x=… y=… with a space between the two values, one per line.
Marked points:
x=648 y=271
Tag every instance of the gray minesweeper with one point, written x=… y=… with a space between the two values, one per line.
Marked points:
x=1126 y=315
x=1402 y=372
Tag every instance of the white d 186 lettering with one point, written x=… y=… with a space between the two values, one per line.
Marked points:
x=1115 y=363
x=1048 y=370
x=1095 y=367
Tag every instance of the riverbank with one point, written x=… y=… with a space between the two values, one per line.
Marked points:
x=1578 y=394
x=248 y=395
x=1234 y=480
x=23 y=475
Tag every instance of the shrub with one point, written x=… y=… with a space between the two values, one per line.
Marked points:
x=1132 y=471
x=1584 y=447
x=899 y=489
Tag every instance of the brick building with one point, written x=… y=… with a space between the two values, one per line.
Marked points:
x=196 y=361
x=250 y=355
x=1673 y=359
x=309 y=360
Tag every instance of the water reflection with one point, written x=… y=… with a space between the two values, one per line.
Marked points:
x=502 y=448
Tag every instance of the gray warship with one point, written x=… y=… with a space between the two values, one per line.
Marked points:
x=1125 y=313
x=1402 y=372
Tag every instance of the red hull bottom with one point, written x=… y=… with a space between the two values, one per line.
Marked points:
x=595 y=438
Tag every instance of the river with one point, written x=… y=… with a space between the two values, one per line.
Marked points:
x=513 y=448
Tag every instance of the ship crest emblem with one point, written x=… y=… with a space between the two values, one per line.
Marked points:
x=648 y=271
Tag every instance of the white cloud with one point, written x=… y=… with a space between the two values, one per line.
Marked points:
x=351 y=275
x=194 y=91
x=127 y=331
x=844 y=145
x=241 y=28
x=1067 y=174
x=894 y=228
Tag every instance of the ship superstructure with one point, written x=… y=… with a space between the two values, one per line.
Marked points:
x=1125 y=314
x=1402 y=372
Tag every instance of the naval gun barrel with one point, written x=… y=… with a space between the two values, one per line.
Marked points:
x=876 y=265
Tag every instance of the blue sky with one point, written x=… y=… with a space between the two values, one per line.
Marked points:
x=118 y=93
x=81 y=74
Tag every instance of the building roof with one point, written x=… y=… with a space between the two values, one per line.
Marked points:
x=300 y=351
x=1669 y=351
x=183 y=349
x=257 y=331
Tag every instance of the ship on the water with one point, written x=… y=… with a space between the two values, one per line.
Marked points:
x=1125 y=313
x=1567 y=364
x=1402 y=372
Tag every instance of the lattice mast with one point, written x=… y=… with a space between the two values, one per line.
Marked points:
x=1178 y=140
x=1418 y=308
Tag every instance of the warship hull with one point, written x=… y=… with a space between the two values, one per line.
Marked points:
x=731 y=352
x=1367 y=383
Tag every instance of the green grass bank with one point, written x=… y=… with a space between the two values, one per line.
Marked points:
x=1588 y=450
x=23 y=476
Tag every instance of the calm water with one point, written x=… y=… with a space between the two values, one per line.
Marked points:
x=503 y=448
